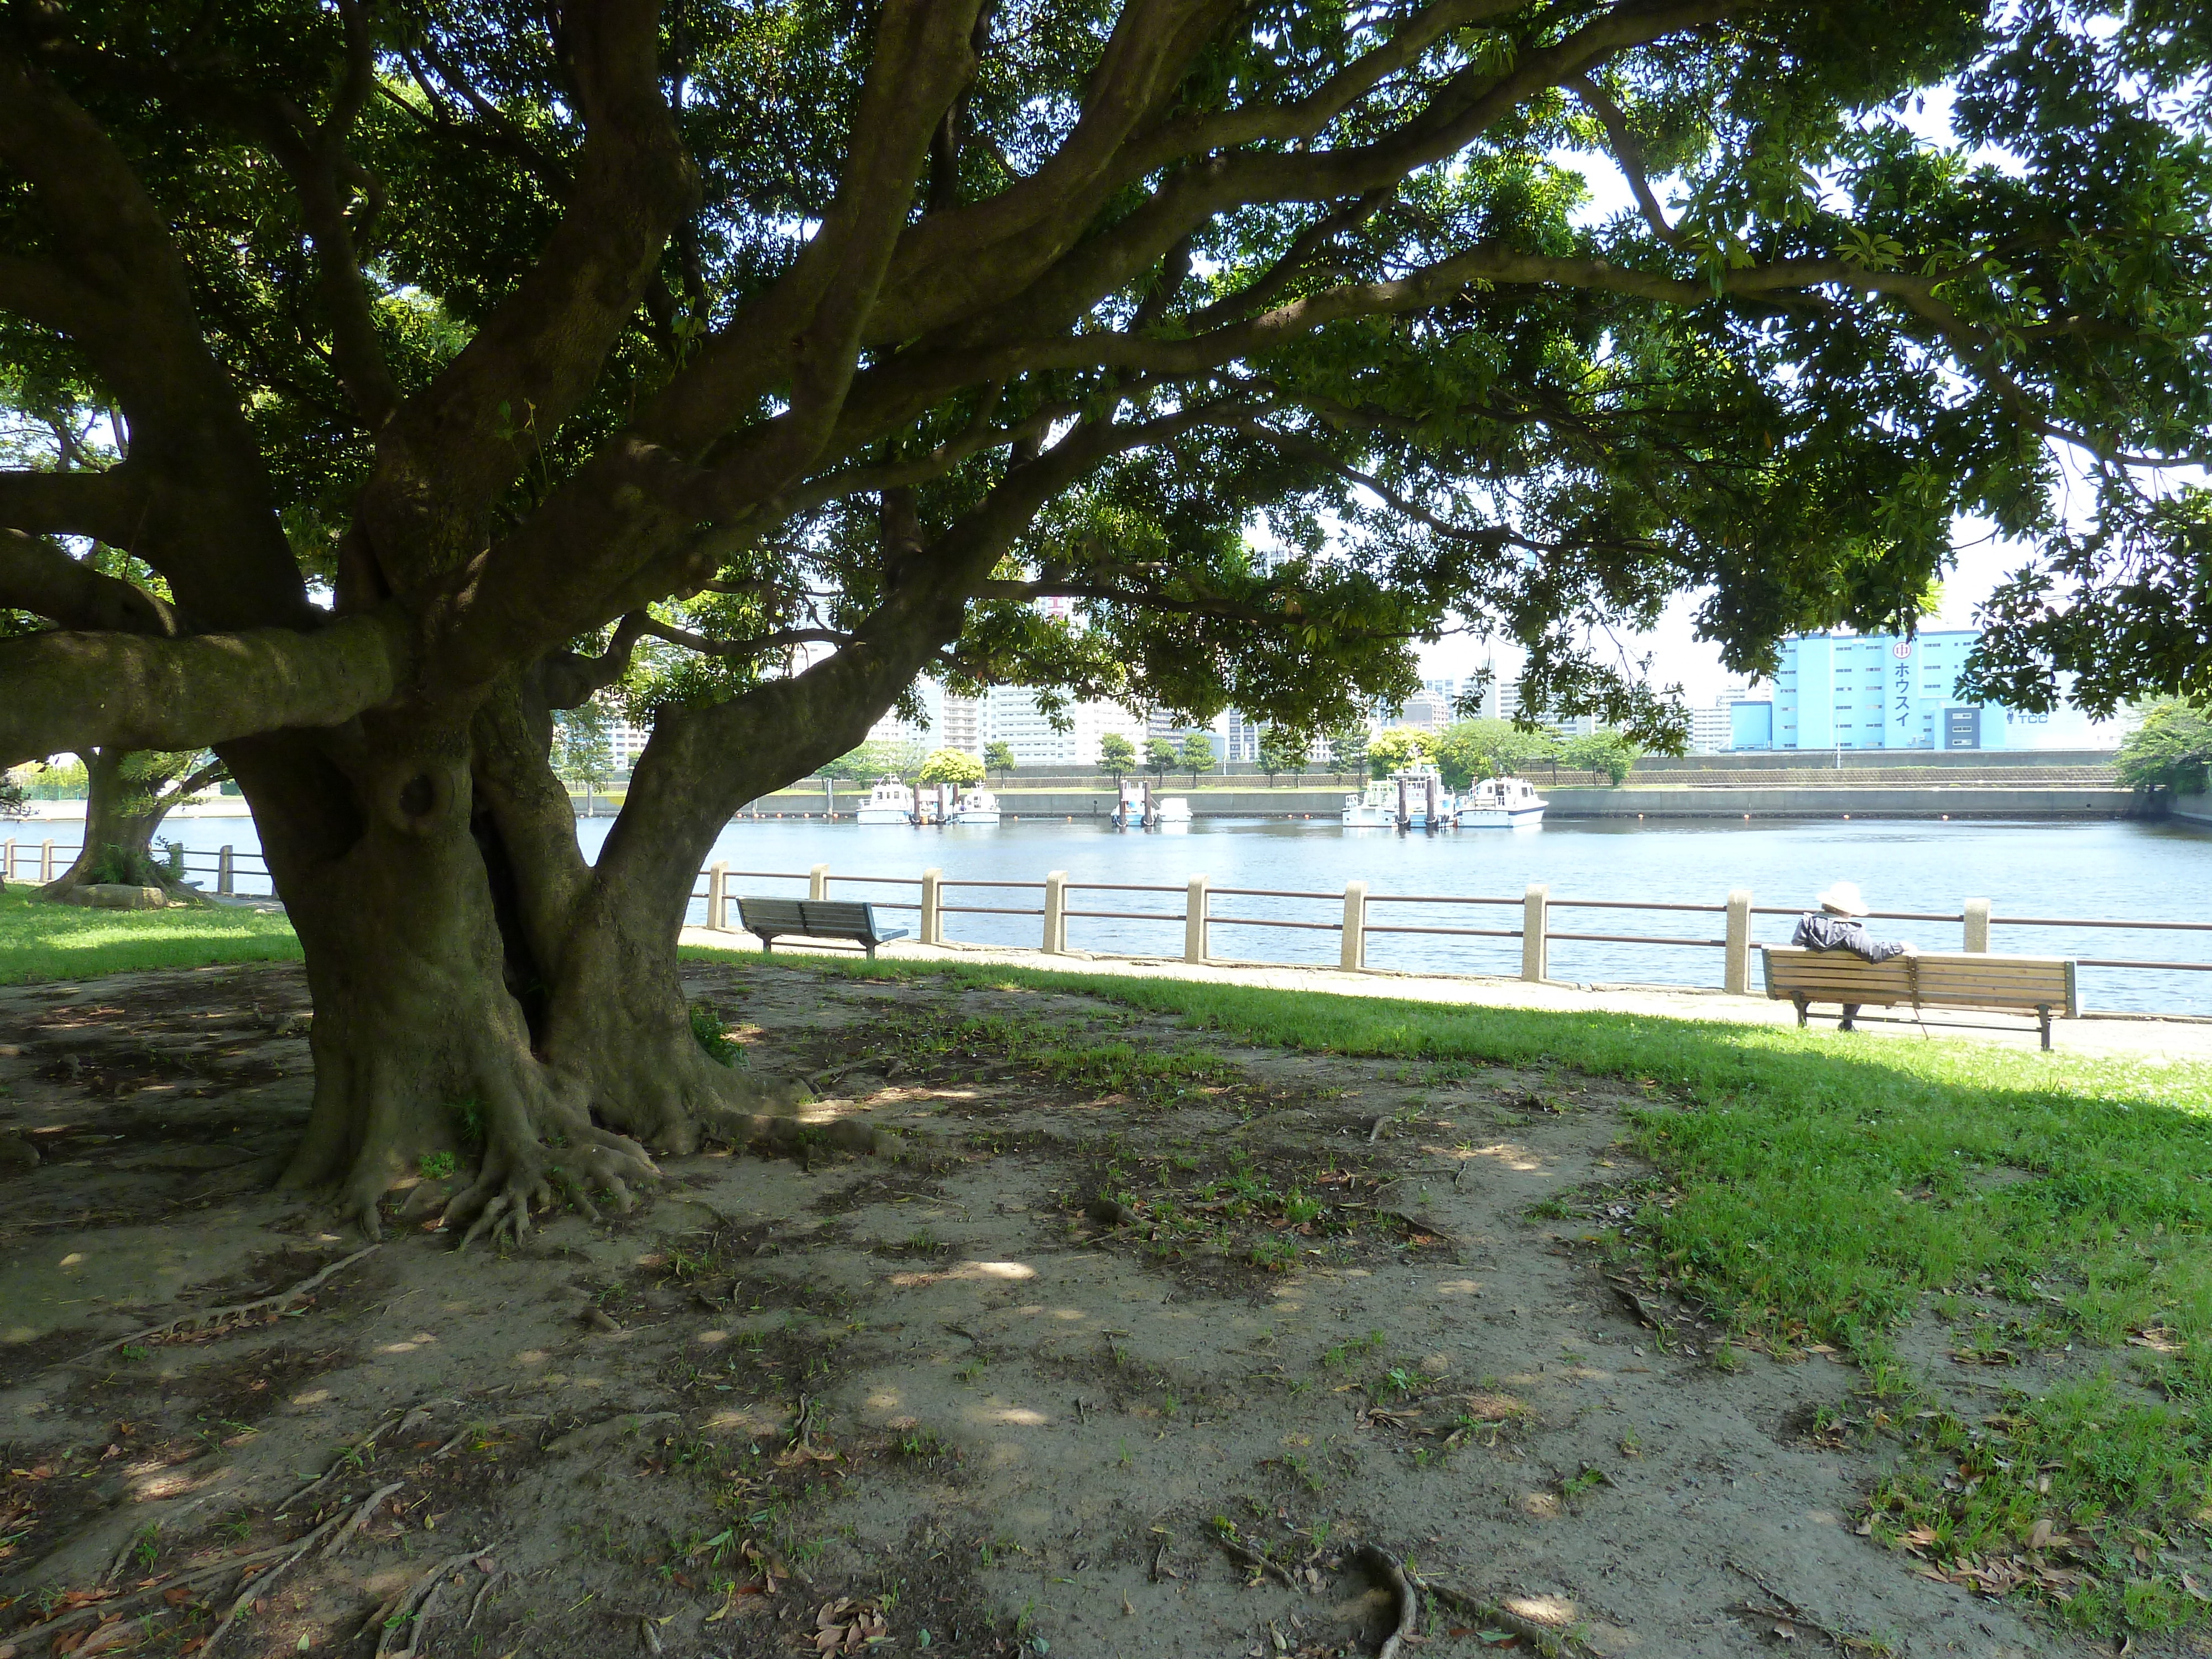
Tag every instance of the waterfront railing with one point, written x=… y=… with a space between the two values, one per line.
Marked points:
x=232 y=872
x=1059 y=900
x=1355 y=914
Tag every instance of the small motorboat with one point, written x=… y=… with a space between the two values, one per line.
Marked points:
x=975 y=805
x=889 y=802
x=1139 y=808
x=1375 y=808
x=1502 y=804
x=1415 y=799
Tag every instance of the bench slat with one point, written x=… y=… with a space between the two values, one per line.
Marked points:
x=770 y=918
x=2045 y=986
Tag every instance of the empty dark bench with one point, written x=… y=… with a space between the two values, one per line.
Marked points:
x=2042 y=985
x=773 y=918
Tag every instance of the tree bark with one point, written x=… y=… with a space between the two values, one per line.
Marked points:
x=121 y=814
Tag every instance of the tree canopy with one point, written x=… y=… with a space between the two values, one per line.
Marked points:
x=2170 y=749
x=953 y=765
x=465 y=362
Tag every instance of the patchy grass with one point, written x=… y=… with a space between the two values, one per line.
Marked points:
x=60 y=941
x=1821 y=1188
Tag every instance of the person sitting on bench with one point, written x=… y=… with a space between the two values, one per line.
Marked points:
x=1834 y=926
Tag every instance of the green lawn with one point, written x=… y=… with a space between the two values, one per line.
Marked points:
x=59 y=941
x=1821 y=1187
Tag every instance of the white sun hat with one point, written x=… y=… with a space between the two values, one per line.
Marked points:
x=1843 y=899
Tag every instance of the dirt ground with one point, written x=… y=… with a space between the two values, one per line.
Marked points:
x=1120 y=1346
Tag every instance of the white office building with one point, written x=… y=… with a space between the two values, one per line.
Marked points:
x=1010 y=714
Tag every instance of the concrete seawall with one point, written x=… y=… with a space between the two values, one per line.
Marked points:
x=1886 y=801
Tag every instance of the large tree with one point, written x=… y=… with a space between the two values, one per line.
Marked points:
x=746 y=362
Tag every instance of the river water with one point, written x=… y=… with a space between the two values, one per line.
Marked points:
x=2104 y=870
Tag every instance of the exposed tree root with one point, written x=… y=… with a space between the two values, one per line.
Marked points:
x=1245 y=1555
x=217 y=1315
x=1403 y=1587
x=410 y=1609
x=254 y=1587
x=1551 y=1644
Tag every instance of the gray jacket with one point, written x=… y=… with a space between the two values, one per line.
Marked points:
x=1819 y=930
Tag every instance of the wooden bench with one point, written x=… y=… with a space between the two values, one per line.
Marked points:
x=2042 y=985
x=772 y=918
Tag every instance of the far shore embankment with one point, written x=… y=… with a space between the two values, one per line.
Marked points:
x=1630 y=800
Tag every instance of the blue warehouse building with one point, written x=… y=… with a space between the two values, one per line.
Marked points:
x=1870 y=691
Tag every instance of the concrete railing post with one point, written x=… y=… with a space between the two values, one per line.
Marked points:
x=933 y=913
x=1355 y=925
x=7 y=860
x=1736 y=974
x=1055 y=912
x=1535 y=923
x=718 y=896
x=46 y=860
x=1194 y=918
x=1977 y=927
x=226 y=870
x=817 y=882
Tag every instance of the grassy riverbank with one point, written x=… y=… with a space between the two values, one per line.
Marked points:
x=59 y=941
x=2043 y=1222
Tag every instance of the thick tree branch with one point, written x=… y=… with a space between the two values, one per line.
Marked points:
x=108 y=505
x=68 y=690
x=209 y=527
x=752 y=645
x=1628 y=153
x=540 y=353
x=38 y=577
x=601 y=527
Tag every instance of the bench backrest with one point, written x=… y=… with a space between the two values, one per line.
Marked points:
x=1945 y=979
x=817 y=918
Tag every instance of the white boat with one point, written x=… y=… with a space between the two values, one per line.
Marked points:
x=1375 y=808
x=1415 y=799
x=1502 y=804
x=889 y=802
x=1139 y=808
x=976 y=805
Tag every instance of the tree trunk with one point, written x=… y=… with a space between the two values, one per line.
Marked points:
x=120 y=817
x=487 y=1006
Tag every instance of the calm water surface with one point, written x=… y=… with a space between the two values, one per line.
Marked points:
x=2115 y=870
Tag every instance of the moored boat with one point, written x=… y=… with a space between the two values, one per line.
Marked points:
x=975 y=805
x=1502 y=804
x=1414 y=799
x=889 y=802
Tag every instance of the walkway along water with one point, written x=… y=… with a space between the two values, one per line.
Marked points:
x=1059 y=900
x=1623 y=904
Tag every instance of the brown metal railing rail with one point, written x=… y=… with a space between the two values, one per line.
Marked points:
x=1199 y=918
x=48 y=859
